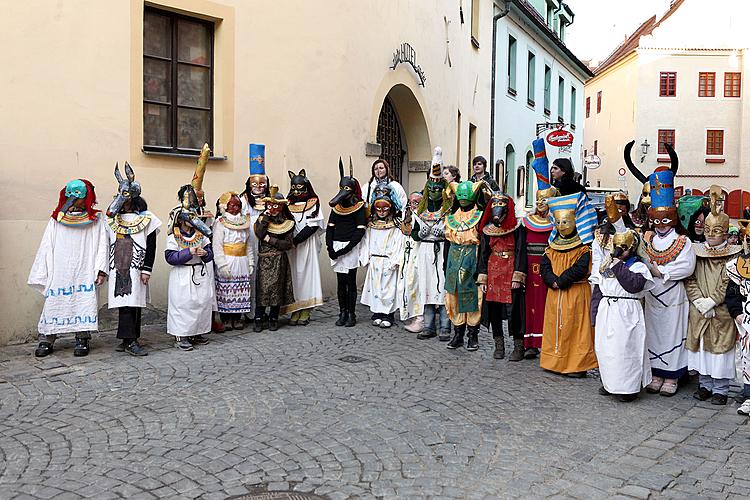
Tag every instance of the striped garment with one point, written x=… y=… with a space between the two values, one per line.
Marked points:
x=585 y=214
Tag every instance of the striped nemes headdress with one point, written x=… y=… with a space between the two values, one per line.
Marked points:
x=584 y=213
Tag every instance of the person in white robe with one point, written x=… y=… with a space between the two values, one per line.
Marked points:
x=131 y=232
x=304 y=258
x=381 y=251
x=234 y=261
x=620 y=340
x=69 y=265
x=408 y=294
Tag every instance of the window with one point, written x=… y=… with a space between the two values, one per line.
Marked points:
x=732 y=84
x=458 y=141
x=511 y=65
x=530 y=178
x=475 y=23
x=666 y=136
x=668 y=84
x=706 y=84
x=588 y=107
x=598 y=102
x=596 y=147
x=549 y=11
x=177 y=82
x=547 y=89
x=715 y=142
x=472 y=144
x=531 y=80
x=573 y=104
x=510 y=169
x=560 y=98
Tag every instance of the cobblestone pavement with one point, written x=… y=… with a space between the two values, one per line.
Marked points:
x=283 y=411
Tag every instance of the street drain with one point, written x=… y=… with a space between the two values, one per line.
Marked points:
x=280 y=495
x=352 y=359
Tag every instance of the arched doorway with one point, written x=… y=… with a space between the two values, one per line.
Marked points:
x=402 y=133
x=390 y=139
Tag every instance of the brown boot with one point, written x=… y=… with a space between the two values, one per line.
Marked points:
x=499 y=347
x=518 y=350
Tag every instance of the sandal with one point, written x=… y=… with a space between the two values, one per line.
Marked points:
x=669 y=388
x=655 y=385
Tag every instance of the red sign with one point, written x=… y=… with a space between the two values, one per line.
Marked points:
x=560 y=138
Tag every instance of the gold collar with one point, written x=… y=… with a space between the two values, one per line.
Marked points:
x=120 y=226
x=564 y=244
x=302 y=206
x=348 y=210
x=281 y=228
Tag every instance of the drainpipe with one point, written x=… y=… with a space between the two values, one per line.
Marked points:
x=503 y=12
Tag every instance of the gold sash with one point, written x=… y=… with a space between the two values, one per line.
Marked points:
x=235 y=249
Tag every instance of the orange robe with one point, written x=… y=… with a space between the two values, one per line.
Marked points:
x=568 y=339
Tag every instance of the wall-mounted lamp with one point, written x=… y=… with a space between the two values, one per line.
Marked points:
x=644 y=149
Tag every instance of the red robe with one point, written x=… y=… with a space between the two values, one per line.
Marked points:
x=536 y=290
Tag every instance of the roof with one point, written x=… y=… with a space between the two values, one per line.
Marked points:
x=631 y=43
x=536 y=18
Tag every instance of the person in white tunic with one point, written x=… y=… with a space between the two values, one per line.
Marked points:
x=671 y=260
x=191 y=279
x=70 y=263
x=408 y=295
x=738 y=303
x=132 y=231
x=620 y=340
x=711 y=331
x=234 y=261
x=304 y=257
x=381 y=252
x=256 y=188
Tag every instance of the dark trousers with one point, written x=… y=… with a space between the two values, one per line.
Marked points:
x=260 y=312
x=498 y=312
x=129 y=323
x=347 y=290
x=230 y=316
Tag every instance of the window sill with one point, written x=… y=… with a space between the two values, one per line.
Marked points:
x=663 y=160
x=547 y=112
x=572 y=126
x=181 y=155
x=475 y=42
x=511 y=92
x=531 y=103
x=716 y=160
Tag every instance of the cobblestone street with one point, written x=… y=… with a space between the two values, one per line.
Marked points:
x=345 y=412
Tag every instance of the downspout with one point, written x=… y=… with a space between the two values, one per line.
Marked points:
x=503 y=12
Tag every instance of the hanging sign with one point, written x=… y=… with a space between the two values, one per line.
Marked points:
x=560 y=138
x=406 y=54
x=592 y=162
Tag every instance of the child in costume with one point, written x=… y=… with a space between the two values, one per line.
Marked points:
x=711 y=332
x=275 y=232
x=303 y=258
x=70 y=263
x=620 y=340
x=408 y=295
x=344 y=233
x=132 y=231
x=463 y=298
x=538 y=227
x=671 y=261
x=738 y=303
x=568 y=341
x=429 y=232
x=502 y=272
x=381 y=251
x=234 y=261
x=191 y=280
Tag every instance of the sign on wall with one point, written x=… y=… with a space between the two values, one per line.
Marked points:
x=592 y=162
x=405 y=53
x=560 y=138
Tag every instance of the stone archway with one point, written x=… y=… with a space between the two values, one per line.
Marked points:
x=402 y=124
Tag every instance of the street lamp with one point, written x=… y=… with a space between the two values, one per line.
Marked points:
x=644 y=149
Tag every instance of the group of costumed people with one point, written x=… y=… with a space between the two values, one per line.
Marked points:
x=665 y=286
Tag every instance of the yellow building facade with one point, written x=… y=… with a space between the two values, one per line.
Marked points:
x=311 y=80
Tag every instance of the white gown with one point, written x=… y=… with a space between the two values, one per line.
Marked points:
x=139 y=295
x=64 y=270
x=408 y=293
x=305 y=263
x=620 y=340
x=667 y=309
x=381 y=251
x=254 y=213
x=234 y=294
x=430 y=265
x=191 y=294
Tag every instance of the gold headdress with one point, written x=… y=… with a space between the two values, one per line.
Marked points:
x=717 y=222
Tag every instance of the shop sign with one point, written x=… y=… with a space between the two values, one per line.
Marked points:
x=560 y=138
x=592 y=162
x=405 y=53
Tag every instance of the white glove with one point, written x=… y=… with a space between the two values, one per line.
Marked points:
x=710 y=314
x=704 y=304
x=224 y=271
x=251 y=269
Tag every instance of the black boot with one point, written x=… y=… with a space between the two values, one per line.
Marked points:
x=258 y=326
x=43 y=349
x=518 y=351
x=343 y=305
x=458 y=337
x=499 y=347
x=81 y=348
x=473 y=343
x=343 y=317
x=352 y=302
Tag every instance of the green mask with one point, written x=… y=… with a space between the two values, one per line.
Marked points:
x=435 y=190
x=465 y=192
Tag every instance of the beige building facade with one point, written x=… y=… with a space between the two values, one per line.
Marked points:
x=680 y=78
x=311 y=80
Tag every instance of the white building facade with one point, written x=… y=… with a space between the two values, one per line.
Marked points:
x=537 y=80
